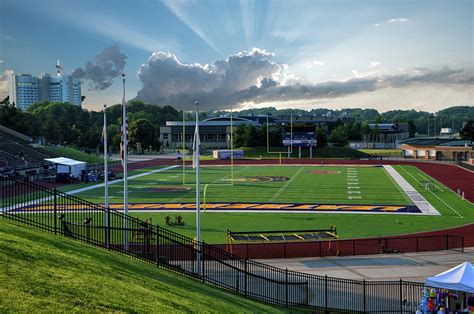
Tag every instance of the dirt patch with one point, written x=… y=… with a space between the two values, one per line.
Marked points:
x=325 y=172
x=169 y=189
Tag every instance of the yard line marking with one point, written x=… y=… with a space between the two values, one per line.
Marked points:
x=178 y=199
x=286 y=184
x=353 y=187
x=455 y=211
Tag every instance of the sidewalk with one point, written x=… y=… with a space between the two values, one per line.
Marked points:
x=408 y=266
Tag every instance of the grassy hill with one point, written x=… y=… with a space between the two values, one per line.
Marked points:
x=72 y=153
x=46 y=273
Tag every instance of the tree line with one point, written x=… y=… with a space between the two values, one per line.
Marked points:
x=66 y=124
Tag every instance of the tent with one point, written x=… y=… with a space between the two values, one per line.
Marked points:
x=459 y=278
x=69 y=166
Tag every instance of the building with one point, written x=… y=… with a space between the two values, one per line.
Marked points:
x=437 y=149
x=26 y=89
x=215 y=132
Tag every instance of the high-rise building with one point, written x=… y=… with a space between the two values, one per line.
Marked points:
x=26 y=89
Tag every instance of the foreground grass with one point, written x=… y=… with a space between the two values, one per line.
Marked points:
x=44 y=273
x=72 y=153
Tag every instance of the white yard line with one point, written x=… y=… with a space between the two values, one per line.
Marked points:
x=412 y=193
x=455 y=211
x=283 y=188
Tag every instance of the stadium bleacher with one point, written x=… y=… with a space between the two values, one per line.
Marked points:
x=16 y=152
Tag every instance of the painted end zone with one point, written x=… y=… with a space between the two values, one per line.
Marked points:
x=274 y=207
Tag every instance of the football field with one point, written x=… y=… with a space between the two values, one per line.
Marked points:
x=264 y=184
x=288 y=184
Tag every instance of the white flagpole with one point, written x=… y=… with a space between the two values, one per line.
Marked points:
x=106 y=180
x=198 y=191
x=125 y=165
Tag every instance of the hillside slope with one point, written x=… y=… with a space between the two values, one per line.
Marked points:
x=45 y=273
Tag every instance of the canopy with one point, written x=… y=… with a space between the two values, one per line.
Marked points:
x=65 y=161
x=67 y=165
x=459 y=278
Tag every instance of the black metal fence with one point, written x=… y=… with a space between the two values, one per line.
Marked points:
x=66 y=215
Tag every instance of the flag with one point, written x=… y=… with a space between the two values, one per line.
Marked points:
x=103 y=135
x=123 y=141
x=196 y=144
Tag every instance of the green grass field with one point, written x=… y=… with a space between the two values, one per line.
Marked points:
x=303 y=186
x=72 y=153
x=49 y=274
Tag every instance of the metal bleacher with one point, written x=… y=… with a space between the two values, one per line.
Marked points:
x=16 y=153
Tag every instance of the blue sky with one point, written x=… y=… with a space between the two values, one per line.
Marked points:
x=400 y=54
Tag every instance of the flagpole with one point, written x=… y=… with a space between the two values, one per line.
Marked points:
x=198 y=191
x=106 y=180
x=125 y=164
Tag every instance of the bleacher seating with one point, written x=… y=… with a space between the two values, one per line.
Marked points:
x=16 y=153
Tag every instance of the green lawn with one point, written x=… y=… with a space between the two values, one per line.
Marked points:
x=72 y=153
x=383 y=152
x=304 y=186
x=48 y=274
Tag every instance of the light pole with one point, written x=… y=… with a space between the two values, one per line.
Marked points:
x=106 y=180
x=198 y=190
x=125 y=164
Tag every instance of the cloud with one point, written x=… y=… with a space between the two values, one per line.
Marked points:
x=102 y=71
x=374 y=64
x=314 y=63
x=253 y=76
x=4 y=79
x=392 y=21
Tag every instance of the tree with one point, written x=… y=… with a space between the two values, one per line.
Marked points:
x=239 y=136
x=321 y=137
x=250 y=136
x=142 y=131
x=467 y=131
x=339 y=136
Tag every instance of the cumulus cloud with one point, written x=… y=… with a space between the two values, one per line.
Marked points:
x=106 y=66
x=374 y=64
x=391 y=21
x=313 y=63
x=4 y=79
x=253 y=76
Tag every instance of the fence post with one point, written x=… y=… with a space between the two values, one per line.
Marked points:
x=401 y=296
x=462 y=244
x=447 y=242
x=364 y=295
x=326 y=293
x=203 y=248
x=108 y=228
x=55 y=211
x=245 y=277
x=286 y=287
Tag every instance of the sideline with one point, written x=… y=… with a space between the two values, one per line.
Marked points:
x=412 y=193
x=455 y=211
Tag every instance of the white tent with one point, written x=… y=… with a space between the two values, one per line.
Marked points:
x=67 y=165
x=459 y=278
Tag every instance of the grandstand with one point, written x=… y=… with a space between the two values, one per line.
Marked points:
x=17 y=153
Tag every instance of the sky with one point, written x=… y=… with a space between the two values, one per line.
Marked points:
x=248 y=54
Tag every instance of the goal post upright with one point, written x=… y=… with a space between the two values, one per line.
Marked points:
x=290 y=151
